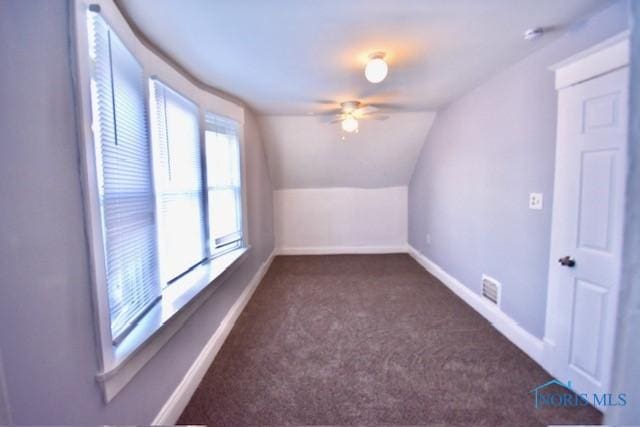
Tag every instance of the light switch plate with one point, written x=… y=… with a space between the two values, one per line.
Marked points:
x=535 y=201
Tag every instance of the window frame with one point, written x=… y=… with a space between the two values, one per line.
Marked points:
x=100 y=157
x=228 y=241
x=152 y=80
x=117 y=365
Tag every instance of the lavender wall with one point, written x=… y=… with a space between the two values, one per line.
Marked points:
x=46 y=323
x=484 y=154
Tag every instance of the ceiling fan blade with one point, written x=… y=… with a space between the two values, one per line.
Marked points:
x=325 y=101
x=331 y=112
x=390 y=106
x=326 y=119
x=329 y=118
x=369 y=109
x=376 y=117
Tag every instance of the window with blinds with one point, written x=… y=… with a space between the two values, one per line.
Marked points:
x=178 y=181
x=169 y=201
x=123 y=166
x=223 y=182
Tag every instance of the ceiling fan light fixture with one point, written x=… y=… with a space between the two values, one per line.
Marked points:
x=376 y=69
x=349 y=124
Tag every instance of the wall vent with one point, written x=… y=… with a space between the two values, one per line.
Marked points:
x=491 y=289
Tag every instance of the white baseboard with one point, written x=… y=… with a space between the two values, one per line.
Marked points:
x=179 y=399
x=527 y=342
x=334 y=250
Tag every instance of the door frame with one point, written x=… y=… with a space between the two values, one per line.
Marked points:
x=603 y=58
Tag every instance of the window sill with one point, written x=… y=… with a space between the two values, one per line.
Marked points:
x=179 y=301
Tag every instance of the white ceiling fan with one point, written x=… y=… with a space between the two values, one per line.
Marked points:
x=352 y=111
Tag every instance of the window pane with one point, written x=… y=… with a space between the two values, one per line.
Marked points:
x=221 y=160
x=179 y=188
x=223 y=179
x=182 y=236
x=223 y=213
x=123 y=166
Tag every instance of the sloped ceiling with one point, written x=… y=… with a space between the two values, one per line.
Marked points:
x=301 y=56
x=307 y=152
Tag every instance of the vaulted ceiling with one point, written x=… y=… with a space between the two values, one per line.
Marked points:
x=293 y=60
x=307 y=152
x=301 y=56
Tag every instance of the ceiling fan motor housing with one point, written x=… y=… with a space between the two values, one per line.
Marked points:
x=350 y=106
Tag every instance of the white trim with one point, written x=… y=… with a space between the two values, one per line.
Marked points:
x=508 y=327
x=609 y=55
x=93 y=221
x=173 y=407
x=335 y=250
x=166 y=319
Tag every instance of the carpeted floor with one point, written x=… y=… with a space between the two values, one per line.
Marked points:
x=367 y=340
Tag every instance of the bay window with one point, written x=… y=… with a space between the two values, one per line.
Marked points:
x=125 y=184
x=164 y=201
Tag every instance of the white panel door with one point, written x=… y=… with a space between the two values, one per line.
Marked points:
x=588 y=217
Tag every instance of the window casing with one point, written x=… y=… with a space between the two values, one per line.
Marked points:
x=223 y=183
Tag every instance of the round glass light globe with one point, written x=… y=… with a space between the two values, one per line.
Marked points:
x=349 y=124
x=376 y=70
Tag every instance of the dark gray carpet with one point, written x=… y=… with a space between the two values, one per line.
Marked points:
x=369 y=340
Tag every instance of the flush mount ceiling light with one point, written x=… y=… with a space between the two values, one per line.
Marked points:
x=349 y=124
x=376 y=69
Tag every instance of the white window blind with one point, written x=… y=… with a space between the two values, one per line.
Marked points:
x=223 y=181
x=179 y=181
x=123 y=167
